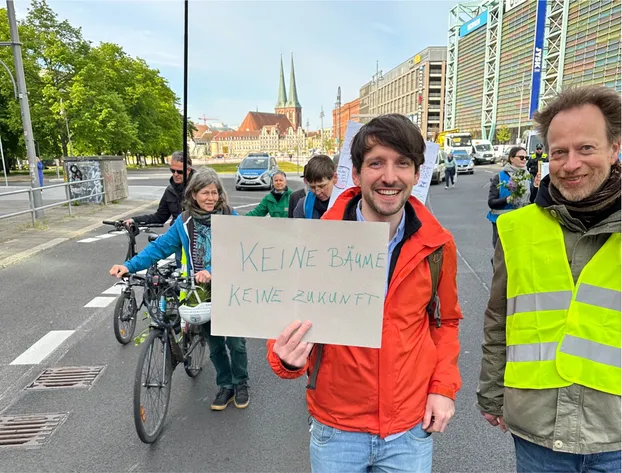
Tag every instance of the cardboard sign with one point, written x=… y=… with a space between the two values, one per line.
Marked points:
x=266 y=273
x=344 y=170
x=544 y=169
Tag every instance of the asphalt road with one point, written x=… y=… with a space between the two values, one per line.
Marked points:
x=49 y=292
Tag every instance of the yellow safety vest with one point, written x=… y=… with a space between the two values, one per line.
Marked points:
x=559 y=333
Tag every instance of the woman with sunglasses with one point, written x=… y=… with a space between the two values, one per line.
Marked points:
x=503 y=193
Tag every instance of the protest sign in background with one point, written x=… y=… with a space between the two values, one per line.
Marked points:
x=344 y=169
x=269 y=272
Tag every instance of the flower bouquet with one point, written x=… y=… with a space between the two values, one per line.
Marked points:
x=519 y=187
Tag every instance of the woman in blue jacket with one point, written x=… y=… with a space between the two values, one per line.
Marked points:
x=191 y=233
x=500 y=198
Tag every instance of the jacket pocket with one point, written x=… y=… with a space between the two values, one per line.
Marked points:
x=321 y=434
x=418 y=434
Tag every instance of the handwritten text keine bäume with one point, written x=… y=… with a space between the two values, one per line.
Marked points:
x=270 y=259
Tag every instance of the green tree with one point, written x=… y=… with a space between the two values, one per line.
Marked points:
x=503 y=134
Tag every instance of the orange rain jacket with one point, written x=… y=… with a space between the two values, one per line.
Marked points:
x=384 y=391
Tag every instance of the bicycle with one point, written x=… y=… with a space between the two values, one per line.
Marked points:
x=126 y=309
x=168 y=343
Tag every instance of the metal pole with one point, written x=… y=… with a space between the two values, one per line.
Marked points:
x=64 y=114
x=6 y=180
x=23 y=101
x=185 y=125
x=339 y=119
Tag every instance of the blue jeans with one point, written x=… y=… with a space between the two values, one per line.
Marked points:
x=338 y=451
x=532 y=458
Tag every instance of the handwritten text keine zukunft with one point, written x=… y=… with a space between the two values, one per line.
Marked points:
x=258 y=258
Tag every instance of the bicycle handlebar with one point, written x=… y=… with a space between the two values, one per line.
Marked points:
x=119 y=223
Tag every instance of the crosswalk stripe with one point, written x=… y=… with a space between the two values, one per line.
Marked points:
x=100 y=302
x=43 y=348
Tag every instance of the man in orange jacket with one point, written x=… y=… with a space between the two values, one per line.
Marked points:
x=375 y=409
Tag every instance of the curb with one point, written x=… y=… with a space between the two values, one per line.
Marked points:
x=57 y=241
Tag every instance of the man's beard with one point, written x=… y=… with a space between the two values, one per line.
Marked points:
x=599 y=177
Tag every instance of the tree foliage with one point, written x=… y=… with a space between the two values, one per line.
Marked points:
x=111 y=102
x=503 y=134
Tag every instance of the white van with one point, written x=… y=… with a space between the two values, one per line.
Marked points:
x=482 y=152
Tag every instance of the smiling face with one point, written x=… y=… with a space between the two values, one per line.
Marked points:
x=207 y=198
x=520 y=159
x=580 y=155
x=386 y=180
x=279 y=182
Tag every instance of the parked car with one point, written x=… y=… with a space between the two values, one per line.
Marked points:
x=438 y=175
x=256 y=171
x=482 y=152
x=464 y=163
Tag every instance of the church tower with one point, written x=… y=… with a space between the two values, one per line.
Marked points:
x=291 y=108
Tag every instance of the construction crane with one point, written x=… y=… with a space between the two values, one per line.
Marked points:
x=204 y=119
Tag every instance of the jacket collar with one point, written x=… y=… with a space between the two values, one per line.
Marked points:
x=421 y=226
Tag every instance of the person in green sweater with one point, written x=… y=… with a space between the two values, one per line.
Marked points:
x=276 y=202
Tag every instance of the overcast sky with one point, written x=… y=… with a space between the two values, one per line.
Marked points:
x=235 y=46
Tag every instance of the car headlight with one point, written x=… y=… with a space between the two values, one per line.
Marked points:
x=471 y=162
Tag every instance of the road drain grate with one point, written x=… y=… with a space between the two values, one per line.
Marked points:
x=66 y=377
x=28 y=430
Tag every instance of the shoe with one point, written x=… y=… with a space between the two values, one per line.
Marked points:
x=241 y=396
x=223 y=399
x=446 y=187
x=453 y=185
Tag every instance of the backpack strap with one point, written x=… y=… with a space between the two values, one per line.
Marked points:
x=435 y=261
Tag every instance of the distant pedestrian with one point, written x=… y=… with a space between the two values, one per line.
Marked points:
x=276 y=202
x=536 y=158
x=450 y=171
x=40 y=171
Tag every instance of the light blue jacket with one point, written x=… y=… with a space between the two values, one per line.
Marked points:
x=175 y=239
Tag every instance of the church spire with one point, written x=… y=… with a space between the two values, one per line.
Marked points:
x=282 y=102
x=293 y=94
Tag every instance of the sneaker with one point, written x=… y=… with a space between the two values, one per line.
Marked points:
x=453 y=184
x=446 y=187
x=223 y=399
x=241 y=396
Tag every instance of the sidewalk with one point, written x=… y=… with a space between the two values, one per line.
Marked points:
x=20 y=240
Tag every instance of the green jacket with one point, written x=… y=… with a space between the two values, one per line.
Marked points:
x=269 y=206
x=573 y=419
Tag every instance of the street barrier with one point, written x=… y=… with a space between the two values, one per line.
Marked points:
x=69 y=193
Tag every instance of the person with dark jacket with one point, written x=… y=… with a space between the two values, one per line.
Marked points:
x=320 y=176
x=500 y=198
x=537 y=157
x=171 y=201
x=296 y=196
x=276 y=202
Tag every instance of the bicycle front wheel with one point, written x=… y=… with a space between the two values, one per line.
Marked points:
x=193 y=363
x=125 y=311
x=152 y=386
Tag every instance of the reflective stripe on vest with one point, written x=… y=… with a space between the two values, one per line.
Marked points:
x=559 y=333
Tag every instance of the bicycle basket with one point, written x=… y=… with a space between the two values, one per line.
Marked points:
x=197 y=315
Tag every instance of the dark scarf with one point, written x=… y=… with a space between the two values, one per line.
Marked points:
x=321 y=206
x=277 y=195
x=595 y=208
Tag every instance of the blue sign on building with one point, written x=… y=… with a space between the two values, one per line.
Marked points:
x=477 y=22
x=538 y=47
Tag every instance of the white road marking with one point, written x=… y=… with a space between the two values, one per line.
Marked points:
x=114 y=290
x=117 y=232
x=42 y=349
x=100 y=302
x=104 y=236
x=247 y=205
x=88 y=240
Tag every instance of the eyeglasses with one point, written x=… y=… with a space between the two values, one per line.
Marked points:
x=175 y=171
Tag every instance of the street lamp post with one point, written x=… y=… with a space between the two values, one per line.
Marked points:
x=322 y=127
x=25 y=108
x=338 y=106
x=6 y=180
x=375 y=79
x=520 y=113
x=63 y=114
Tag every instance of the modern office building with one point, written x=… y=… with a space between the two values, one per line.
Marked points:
x=342 y=115
x=506 y=58
x=415 y=88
